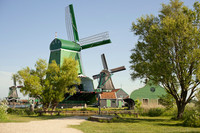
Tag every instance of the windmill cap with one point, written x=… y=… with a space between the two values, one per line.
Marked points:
x=64 y=44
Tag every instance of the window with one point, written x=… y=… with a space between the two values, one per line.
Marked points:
x=145 y=101
x=113 y=101
x=152 y=89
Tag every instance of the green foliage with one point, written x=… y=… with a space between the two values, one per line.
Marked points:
x=3 y=111
x=33 y=81
x=19 y=111
x=155 y=112
x=137 y=106
x=192 y=120
x=168 y=50
x=167 y=101
x=198 y=101
x=170 y=112
x=49 y=84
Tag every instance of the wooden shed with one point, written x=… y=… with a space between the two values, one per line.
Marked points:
x=149 y=94
x=113 y=99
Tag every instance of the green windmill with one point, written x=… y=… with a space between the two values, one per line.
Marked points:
x=72 y=47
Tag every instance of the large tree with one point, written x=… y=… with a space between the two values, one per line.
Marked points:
x=168 y=50
x=49 y=83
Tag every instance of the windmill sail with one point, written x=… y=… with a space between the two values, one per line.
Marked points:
x=71 y=27
x=103 y=58
x=118 y=69
x=95 y=40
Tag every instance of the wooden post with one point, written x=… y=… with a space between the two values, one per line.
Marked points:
x=99 y=103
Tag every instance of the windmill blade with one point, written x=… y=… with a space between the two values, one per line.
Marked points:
x=103 y=58
x=95 y=40
x=96 y=76
x=14 y=80
x=118 y=69
x=71 y=27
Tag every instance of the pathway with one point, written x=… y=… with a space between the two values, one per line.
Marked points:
x=43 y=126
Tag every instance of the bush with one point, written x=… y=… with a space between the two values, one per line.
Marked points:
x=20 y=111
x=138 y=107
x=192 y=120
x=3 y=111
x=155 y=112
x=170 y=112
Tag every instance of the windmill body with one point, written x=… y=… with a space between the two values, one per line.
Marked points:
x=12 y=94
x=61 y=49
x=104 y=78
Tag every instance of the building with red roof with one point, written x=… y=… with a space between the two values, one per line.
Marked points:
x=114 y=98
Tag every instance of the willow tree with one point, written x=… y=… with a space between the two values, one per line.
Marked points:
x=168 y=50
x=49 y=83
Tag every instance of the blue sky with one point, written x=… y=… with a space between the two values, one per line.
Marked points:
x=27 y=28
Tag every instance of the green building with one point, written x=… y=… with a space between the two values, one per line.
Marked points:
x=149 y=95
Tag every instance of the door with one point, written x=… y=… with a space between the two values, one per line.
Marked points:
x=108 y=102
x=120 y=104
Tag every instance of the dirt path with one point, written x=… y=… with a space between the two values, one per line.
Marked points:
x=43 y=126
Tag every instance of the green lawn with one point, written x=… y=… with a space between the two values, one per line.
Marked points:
x=131 y=125
x=121 y=125
x=26 y=118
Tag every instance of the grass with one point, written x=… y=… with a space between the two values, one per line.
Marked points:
x=135 y=125
x=124 y=124
x=26 y=118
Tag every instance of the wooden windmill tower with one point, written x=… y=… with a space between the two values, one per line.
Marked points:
x=105 y=82
x=13 y=95
x=72 y=47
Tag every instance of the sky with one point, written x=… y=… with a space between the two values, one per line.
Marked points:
x=27 y=28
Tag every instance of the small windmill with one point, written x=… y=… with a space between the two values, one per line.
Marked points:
x=105 y=82
x=13 y=95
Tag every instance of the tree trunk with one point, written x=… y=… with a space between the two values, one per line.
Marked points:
x=181 y=108
x=32 y=107
x=54 y=106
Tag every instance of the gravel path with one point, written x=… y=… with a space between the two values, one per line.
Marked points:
x=43 y=126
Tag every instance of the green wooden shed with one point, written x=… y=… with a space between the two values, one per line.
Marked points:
x=149 y=94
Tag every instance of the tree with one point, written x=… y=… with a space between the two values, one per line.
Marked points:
x=168 y=51
x=167 y=101
x=198 y=101
x=33 y=81
x=49 y=83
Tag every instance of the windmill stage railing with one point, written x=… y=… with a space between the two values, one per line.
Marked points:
x=95 y=38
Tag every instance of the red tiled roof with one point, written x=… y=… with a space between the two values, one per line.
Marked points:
x=108 y=95
x=115 y=90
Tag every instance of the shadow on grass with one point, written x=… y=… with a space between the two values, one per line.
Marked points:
x=154 y=121
x=130 y=120
x=172 y=124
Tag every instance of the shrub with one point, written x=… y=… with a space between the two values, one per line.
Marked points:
x=155 y=112
x=3 y=111
x=19 y=111
x=170 y=112
x=192 y=120
x=138 y=107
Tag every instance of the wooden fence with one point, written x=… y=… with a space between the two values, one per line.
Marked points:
x=89 y=113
